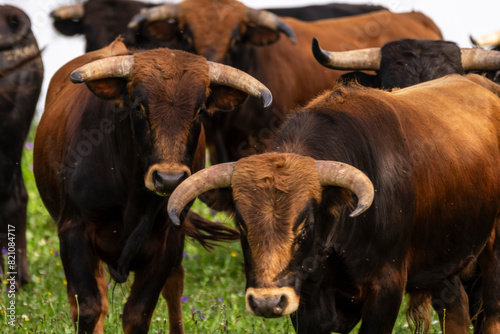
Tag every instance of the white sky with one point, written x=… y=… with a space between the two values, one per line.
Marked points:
x=457 y=20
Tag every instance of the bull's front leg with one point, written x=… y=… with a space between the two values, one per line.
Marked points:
x=382 y=301
x=172 y=292
x=87 y=287
x=13 y=224
x=158 y=272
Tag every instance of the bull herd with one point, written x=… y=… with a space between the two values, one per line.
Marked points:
x=357 y=152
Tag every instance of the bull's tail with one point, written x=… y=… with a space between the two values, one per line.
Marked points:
x=206 y=232
x=418 y=314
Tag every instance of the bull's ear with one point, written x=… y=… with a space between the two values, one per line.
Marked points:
x=69 y=27
x=224 y=98
x=108 y=89
x=260 y=36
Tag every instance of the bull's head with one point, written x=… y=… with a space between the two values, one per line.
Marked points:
x=276 y=198
x=165 y=91
x=18 y=45
x=100 y=21
x=15 y=27
x=371 y=58
x=210 y=28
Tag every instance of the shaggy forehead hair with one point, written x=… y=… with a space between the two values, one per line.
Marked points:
x=272 y=191
x=175 y=82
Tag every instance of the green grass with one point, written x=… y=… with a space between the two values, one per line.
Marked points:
x=213 y=296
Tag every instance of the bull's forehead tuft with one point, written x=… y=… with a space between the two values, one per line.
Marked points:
x=275 y=182
x=169 y=61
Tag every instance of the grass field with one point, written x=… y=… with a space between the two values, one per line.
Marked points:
x=213 y=299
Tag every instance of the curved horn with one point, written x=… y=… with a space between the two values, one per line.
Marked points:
x=333 y=173
x=486 y=40
x=234 y=78
x=271 y=21
x=480 y=60
x=112 y=67
x=213 y=177
x=362 y=59
x=157 y=13
x=68 y=12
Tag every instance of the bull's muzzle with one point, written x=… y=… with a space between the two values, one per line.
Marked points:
x=166 y=183
x=163 y=179
x=271 y=302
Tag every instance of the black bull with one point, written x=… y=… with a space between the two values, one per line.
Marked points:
x=432 y=153
x=21 y=75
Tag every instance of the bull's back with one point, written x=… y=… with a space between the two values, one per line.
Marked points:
x=432 y=152
x=301 y=77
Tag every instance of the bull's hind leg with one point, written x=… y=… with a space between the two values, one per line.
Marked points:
x=490 y=269
x=451 y=303
x=172 y=292
x=85 y=276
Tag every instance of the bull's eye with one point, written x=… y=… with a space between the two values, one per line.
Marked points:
x=13 y=22
x=302 y=235
x=233 y=43
x=200 y=111
x=140 y=110
x=187 y=35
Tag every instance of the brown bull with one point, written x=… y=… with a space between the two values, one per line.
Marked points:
x=107 y=155
x=429 y=158
x=252 y=40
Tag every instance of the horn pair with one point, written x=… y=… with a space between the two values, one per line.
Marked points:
x=122 y=67
x=369 y=59
x=260 y=18
x=331 y=173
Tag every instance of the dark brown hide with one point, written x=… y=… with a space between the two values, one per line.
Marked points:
x=432 y=152
x=100 y=163
x=288 y=70
x=21 y=75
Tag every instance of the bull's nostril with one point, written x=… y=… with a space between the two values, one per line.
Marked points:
x=281 y=306
x=157 y=180
x=184 y=176
x=252 y=303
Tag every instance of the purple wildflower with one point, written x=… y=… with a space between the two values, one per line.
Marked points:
x=184 y=299
x=28 y=146
x=221 y=300
x=4 y=251
x=186 y=255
